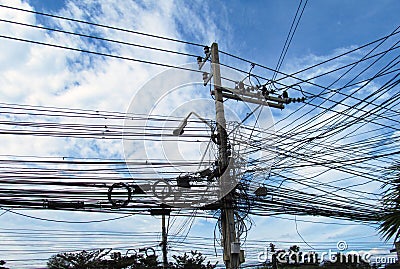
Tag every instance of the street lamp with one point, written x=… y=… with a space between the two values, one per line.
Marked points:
x=180 y=130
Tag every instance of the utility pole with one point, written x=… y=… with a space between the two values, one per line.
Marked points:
x=229 y=238
x=256 y=95
x=163 y=211
x=164 y=243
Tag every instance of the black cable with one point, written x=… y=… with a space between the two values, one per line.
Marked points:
x=289 y=38
x=64 y=221
x=102 y=25
x=99 y=53
x=98 y=38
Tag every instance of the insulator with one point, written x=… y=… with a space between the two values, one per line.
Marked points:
x=206 y=50
x=241 y=85
x=205 y=76
x=285 y=94
x=199 y=59
x=264 y=89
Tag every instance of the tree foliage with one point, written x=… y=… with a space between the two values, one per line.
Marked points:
x=84 y=259
x=97 y=259
x=194 y=260
x=390 y=220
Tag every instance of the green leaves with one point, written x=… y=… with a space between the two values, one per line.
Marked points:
x=390 y=220
x=390 y=224
x=193 y=261
x=97 y=259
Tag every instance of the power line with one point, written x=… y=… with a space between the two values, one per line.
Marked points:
x=98 y=38
x=98 y=53
x=102 y=25
x=65 y=221
x=289 y=38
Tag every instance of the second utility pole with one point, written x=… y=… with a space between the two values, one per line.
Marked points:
x=229 y=239
x=164 y=243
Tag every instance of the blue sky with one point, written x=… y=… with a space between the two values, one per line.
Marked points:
x=47 y=5
x=259 y=28
x=255 y=30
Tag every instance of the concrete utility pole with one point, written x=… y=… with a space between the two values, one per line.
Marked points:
x=256 y=95
x=229 y=240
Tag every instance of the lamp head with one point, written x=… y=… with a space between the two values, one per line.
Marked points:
x=179 y=131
